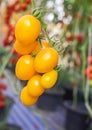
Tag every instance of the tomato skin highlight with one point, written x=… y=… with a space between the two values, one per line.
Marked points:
x=49 y=79
x=26 y=99
x=34 y=86
x=46 y=60
x=27 y=29
x=24 y=69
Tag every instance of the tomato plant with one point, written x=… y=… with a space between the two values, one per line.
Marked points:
x=39 y=58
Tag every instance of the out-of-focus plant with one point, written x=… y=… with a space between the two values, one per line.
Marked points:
x=79 y=33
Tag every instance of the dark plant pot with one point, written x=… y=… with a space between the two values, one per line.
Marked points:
x=50 y=100
x=5 y=111
x=76 y=118
x=68 y=92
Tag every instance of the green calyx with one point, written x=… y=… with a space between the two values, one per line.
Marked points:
x=36 y=13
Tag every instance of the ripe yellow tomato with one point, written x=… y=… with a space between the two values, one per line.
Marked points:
x=39 y=46
x=49 y=79
x=24 y=49
x=27 y=29
x=36 y=49
x=45 y=45
x=24 y=68
x=46 y=60
x=26 y=99
x=34 y=87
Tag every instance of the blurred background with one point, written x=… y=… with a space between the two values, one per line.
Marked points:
x=68 y=105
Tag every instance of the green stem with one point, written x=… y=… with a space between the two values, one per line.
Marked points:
x=33 y=4
x=44 y=30
x=83 y=67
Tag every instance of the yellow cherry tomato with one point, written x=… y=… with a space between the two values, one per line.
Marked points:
x=27 y=29
x=46 y=60
x=34 y=86
x=24 y=68
x=24 y=49
x=45 y=45
x=39 y=46
x=36 y=49
x=49 y=79
x=26 y=99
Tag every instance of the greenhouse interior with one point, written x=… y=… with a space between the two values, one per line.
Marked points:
x=45 y=64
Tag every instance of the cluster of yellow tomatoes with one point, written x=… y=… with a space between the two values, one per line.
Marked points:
x=39 y=70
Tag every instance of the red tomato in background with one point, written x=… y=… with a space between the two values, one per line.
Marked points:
x=89 y=59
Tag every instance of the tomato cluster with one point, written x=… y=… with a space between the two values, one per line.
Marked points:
x=38 y=61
